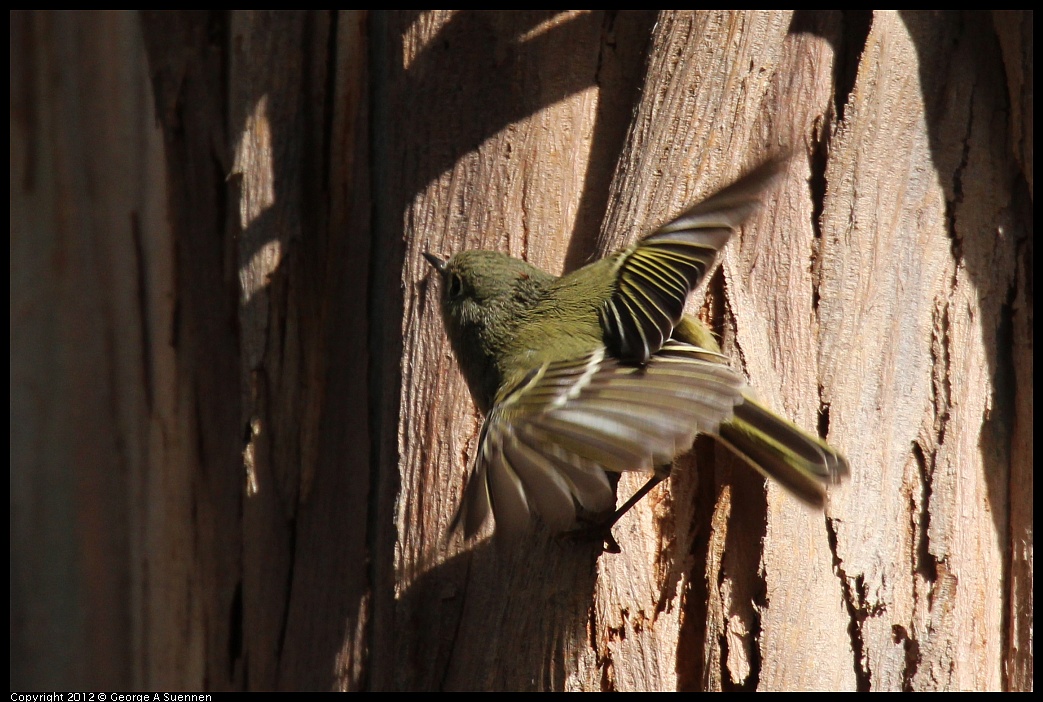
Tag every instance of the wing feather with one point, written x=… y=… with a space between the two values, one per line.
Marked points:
x=655 y=276
x=548 y=442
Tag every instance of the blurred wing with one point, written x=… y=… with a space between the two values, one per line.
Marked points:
x=656 y=275
x=549 y=440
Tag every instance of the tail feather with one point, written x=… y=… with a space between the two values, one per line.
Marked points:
x=784 y=452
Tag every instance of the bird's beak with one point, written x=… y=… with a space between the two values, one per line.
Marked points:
x=435 y=261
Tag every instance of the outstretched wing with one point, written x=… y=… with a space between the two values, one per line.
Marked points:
x=547 y=443
x=655 y=276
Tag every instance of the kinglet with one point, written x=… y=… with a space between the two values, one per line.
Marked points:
x=600 y=370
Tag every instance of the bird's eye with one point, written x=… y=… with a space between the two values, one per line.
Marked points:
x=455 y=286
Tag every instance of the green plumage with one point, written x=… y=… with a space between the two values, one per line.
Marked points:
x=599 y=370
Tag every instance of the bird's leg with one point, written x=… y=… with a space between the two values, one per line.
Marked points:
x=603 y=529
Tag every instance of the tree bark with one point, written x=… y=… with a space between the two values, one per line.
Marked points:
x=239 y=434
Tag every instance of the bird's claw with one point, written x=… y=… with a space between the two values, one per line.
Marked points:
x=599 y=531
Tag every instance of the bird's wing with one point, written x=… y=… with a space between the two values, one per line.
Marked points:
x=655 y=276
x=548 y=441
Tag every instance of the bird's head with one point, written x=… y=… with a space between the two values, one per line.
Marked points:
x=486 y=289
x=485 y=296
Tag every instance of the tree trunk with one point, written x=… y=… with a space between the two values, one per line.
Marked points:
x=239 y=434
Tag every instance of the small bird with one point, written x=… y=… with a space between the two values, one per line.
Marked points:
x=600 y=370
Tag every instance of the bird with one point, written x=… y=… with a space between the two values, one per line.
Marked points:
x=600 y=371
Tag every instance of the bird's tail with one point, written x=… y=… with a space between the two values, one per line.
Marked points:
x=782 y=451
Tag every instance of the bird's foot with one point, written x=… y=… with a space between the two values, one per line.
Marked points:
x=600 y=531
